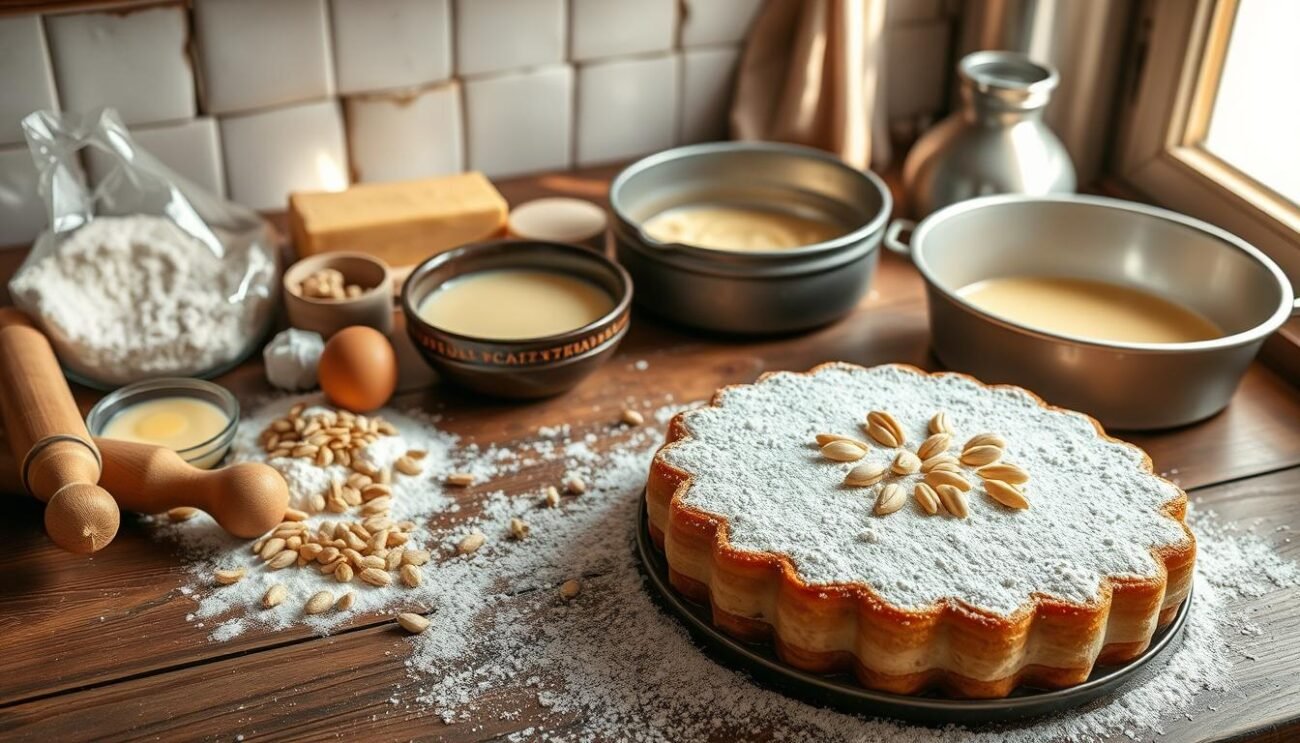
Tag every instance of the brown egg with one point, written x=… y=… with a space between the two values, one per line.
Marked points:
x=358 y=369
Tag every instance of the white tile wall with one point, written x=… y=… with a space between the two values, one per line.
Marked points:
x=395 y=137
x=428 y=86
x=258 y=53
x=707 y=22
x=134 y=60
x=707 y=78
x=22 y=216
x=385 y=44
x=520 y=122
x=494 y=35
x=25 y=70
x=626 y=108
x=271 y=153
x=191 y=148
x=615 y=28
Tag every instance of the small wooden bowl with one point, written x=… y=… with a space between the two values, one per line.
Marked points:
x=373 y=308
x=528 y=368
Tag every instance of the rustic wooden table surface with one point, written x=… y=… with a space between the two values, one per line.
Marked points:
x=99 y=648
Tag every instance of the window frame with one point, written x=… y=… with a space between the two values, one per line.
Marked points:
x=1180 y=49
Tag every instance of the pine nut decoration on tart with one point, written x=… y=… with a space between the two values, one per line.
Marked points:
x=922 y=531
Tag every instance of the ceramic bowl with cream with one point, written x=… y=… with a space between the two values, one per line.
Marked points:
x=517 y=318
x=194 y=418
x=1139 y=316
x=748 y=237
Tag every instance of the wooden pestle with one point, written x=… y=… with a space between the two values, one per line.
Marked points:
x=246 y=499
x=58 y=462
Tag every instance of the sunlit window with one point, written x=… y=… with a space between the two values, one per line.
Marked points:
x=1255 y=123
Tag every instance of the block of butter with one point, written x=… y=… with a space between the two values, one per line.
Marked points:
x=403 y=222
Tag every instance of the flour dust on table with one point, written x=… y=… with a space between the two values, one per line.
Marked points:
x=559 y=610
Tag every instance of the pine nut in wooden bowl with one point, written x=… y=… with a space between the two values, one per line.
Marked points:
x=327 y=292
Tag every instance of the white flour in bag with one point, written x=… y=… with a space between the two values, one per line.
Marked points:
x=124 y=298
x=610 y=665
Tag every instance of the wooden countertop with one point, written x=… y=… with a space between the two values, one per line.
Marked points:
x=100 y=648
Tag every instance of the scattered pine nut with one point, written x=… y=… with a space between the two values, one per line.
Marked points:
x=552 y=498
x=271 y=548
x=319 y=603
x=345 y=601
x=411 y=576
x=393 y=560
x=632 y=417
x=375 y=577
x=575 y=485
x=371 y=562
x=569 y=589
x=843 y=450
x=984 y=439
x=293 y=514
x=283 y=560
x=460 y=479
x=518 y=529
x=375 y=491
x=885 y=429
x=413 y=623
x=182 y=513
x=940 y=423
x=470 y=543
x=227 y=577
x=416 y=453
x=407 y=466
x=865 y=474
x=415 y=557
x=274 y=595
x=825 y=438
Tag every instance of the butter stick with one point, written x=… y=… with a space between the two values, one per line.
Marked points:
x=402 y=223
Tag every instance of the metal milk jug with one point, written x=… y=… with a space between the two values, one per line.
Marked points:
x=996 y=143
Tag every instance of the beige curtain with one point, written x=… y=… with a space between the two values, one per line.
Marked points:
x=811 y=74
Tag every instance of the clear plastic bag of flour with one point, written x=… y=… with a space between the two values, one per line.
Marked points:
x=145 y=274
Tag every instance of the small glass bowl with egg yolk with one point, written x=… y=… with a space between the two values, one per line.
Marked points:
x=194 y=418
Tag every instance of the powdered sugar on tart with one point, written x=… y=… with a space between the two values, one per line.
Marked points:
x=1095 y=508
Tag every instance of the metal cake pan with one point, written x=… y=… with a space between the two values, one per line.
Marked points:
x=842 y=691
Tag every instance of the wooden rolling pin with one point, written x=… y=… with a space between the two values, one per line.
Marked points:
x=246 y=499
x=58 y=462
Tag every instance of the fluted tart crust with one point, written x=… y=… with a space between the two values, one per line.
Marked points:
x=757 y=522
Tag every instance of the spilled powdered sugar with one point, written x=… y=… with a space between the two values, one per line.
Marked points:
x=610 y=665
x=229 y=610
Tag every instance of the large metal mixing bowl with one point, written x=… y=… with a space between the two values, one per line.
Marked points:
x=753 y=292
x=1124 y=385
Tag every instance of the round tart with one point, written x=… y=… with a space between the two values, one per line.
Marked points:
x=819 y=511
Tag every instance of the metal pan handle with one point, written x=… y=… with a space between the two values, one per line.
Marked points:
x=893 y=234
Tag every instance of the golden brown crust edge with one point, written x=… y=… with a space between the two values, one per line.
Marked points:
x=1115 y=628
